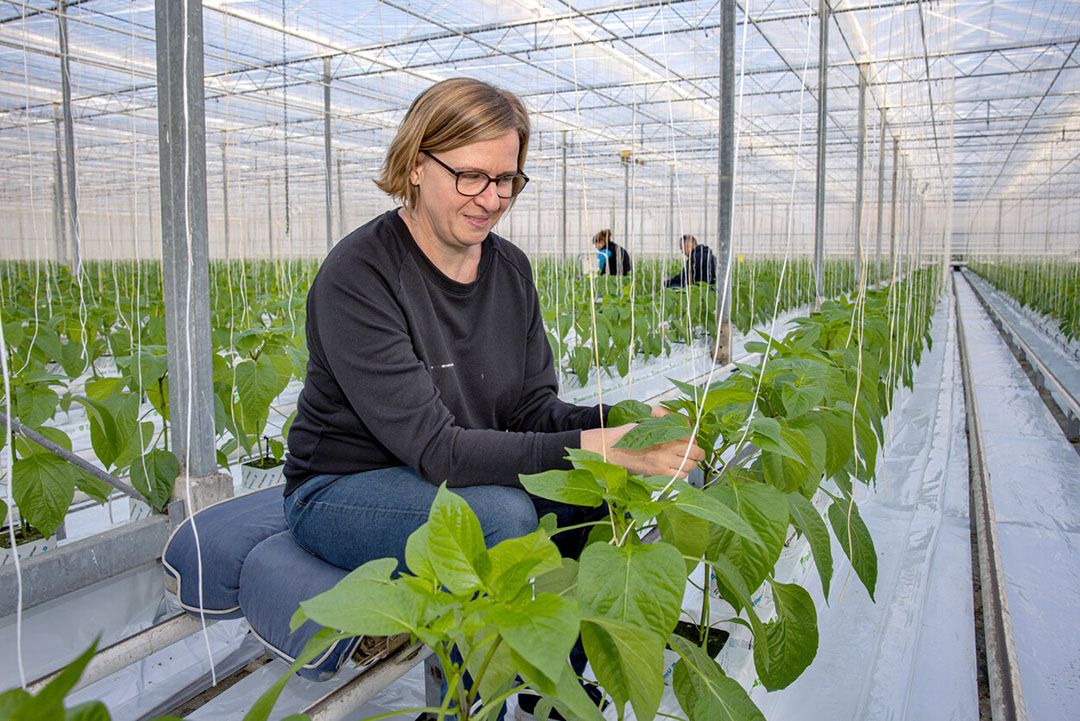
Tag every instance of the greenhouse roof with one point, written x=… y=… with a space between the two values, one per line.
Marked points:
x=981 y=96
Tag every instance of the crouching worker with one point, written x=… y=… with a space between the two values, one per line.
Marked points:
x=428 y=356
x=700 y=264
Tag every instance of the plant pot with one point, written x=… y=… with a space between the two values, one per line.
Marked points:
x=689 y=631
x=26 y=549
x=737 y=656
x=795 y=560
x=138 y=509
x=262 y=473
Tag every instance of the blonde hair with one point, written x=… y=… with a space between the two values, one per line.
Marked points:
x=449 y=115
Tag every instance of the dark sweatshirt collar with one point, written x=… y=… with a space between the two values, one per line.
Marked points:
x=430 y=269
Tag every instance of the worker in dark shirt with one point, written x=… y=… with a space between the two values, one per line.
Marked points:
x=428 y=359
x=700 y=264
x=614 y=260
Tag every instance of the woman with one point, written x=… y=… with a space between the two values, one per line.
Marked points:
x=428 y=356
x=613 y=258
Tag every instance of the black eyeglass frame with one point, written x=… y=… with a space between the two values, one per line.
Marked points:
x=489 y=180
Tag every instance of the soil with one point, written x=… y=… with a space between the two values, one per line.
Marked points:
x=692 y=633
x=263 y=463
x=25 y=534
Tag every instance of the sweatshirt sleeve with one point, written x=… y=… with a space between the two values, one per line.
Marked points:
x=362 y=333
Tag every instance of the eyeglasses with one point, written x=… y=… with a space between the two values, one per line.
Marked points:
x=472 y=182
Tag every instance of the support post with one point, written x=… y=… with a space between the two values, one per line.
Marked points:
x=69 y=141
x=340 y=198
x=59 y=227
x=892 y=211
x=725 y=179
x=822 y=120
x=270 y=218
x=1001 y=210
x=562 y=207
x=860 y=170
x=184 y=229
x=671 y=204
x=880 y=193
x=705 y=212
x=225 y=190
x=326 y=150
x=626 y=160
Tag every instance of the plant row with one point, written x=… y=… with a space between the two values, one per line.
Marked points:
x=508 y=616
x=1048 y=287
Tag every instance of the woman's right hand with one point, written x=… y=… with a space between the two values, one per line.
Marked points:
x=673 y=458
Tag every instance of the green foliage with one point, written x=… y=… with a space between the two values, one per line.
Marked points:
x=1047 y=286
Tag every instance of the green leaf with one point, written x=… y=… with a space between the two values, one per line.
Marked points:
x=698 y=503
x=765 y=509
x=89 y=711
x=154 y=474
x=73 y=358
x=792 y=638
x=686 y=532
x=97 y=489
x=35 y=404
x=805 y=518
x=324 y=639
x=418 y=553
x=53 y=694
x=43 y=488
x=800 y=395
x=144 y=369
x=542 y=631
x=365 y=603
x=704 y=692
x=575 y=487
x=258 y=383
x=462 y=560
x=858 y=545
x=641 y=585
x=611 y=475
x=570 y=698
x=57 y=436
x=654 y=431
x=517 y=560
x=105 y=437
x=628 y=411
x=101 y=388
x=628 y=661
x=560 y=580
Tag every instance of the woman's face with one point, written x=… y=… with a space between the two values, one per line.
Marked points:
x=457 y=220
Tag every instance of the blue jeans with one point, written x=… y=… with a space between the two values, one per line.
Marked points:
x=352 y=519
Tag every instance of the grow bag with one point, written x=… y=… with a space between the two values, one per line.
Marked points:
x=252 y=568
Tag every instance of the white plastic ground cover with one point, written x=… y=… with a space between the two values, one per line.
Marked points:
x=911 y=655
x=1060 y=356
x=1047 y=325
x=57 y=631
x=1035 y=484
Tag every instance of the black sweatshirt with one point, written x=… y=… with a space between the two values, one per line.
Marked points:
x=700 y=267
x=410 y=368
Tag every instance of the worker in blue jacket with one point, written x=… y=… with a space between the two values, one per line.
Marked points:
x=614 y=260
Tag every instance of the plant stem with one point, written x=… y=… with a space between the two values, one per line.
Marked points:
x=480 y=673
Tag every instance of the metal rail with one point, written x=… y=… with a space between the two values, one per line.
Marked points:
x=31 y=435
x=1041 y=374
x=134 y=648
x=1006 y=693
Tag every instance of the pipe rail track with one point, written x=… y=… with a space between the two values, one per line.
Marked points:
x=1006 y=693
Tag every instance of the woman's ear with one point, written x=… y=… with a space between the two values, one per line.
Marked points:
x=415 y=173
